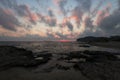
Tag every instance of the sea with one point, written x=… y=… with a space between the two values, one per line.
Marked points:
x=55 y=46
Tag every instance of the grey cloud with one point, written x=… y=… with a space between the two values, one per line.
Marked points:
x=84 y=4
x=89 y=28
x=40 y=3
x=70 y=26
x=119 y=4
x=24 y=11
x=89 y=23
x=109 y=23
x=50 y=36
x=96 y=8
x=89 y=32
x=8 y=20
x=51 y=22
x=50 y=12
x=108 y=26
x=62 y=36
x=61 y=4
x=48 y=20
x=21 y=10
x=78 y=13
x=8 y=3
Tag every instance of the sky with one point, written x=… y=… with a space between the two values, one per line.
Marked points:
x=36 y=20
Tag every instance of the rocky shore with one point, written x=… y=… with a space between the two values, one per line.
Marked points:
x=13 y=57
x=95 y=65
x=84 y=65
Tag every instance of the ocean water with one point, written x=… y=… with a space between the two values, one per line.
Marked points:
x=54 y=46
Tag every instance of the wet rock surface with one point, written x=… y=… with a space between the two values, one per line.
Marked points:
x=95 y=65
x=99 y=71
x=99 y=65
x=12 y=57
x=86 y=65
x=91 y=56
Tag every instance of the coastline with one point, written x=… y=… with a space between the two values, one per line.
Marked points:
x=21 y=65
x=110 y=44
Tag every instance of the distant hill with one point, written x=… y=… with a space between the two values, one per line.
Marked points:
x=99 y=39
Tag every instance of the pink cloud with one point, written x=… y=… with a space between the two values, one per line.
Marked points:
x=56 y=36
x=101 y=14
x=31 y=16
x=77 y=15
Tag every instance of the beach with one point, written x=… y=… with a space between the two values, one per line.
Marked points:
x=42 y=63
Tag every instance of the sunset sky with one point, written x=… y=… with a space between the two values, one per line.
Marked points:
x=58 y=19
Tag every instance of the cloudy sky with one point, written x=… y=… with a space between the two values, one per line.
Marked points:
x=58 y=19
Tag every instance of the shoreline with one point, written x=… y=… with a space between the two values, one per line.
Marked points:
x=21 y=65
x=110 y=44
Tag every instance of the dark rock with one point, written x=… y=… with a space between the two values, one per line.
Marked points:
x=91 y=56
x=61 y=67
x=99 y=71
x=84 y=45
x=76 y=54
x=98 y=39
x=93 y=39
x=101 y=55
x=45 y=55
x=76 y=67
x=12 y=56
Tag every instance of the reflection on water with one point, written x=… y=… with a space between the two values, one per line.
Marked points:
x=56 y=47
